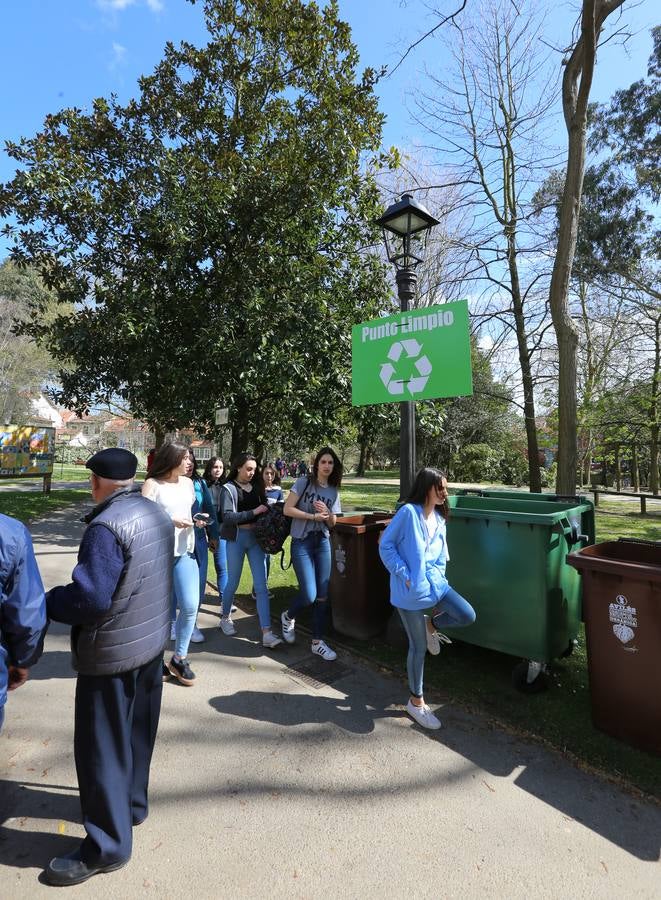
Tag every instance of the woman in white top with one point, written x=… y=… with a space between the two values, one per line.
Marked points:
x=168 y=486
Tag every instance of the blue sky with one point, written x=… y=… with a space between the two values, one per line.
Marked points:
x=57 y=53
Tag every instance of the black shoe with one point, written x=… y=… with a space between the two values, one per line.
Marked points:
x=181 y=671
x=65 y=870
x=166 y=672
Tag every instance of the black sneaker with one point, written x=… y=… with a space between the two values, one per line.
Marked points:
x=181 y=671
x=166 y=671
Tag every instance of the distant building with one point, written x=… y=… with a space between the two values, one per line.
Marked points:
x=101 y=429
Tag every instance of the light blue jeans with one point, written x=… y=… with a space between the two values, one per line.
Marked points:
x=220 y=562
x=246 y=545
x=186 y=589
x=202 y=557
x=452 y=610
x=311 y=559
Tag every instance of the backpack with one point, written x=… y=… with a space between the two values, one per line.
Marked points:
x=271 y=530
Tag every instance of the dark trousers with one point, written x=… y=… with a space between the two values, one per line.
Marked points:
x=116 y=721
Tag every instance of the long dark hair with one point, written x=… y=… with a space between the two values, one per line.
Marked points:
x=425 y=480
x=335 y=477
x=209 y=466
x=240 y=460
x=167 y=458
x=194 y=475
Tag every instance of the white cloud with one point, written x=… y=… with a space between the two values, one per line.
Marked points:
x=118 y=56
x=115 y=5
x=156 y=6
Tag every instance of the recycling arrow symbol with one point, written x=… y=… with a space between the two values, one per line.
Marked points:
x=423 y=367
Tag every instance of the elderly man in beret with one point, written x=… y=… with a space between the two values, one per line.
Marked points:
x=119 y=606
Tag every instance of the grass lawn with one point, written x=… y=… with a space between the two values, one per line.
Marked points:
x=28 y=505
x=480 y=679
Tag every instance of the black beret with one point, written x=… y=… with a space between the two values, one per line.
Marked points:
x=113 y=463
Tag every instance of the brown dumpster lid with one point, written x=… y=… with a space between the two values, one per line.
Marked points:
x=628 y=557
x=362 y=522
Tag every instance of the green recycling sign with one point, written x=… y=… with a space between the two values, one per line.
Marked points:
x=422 y=354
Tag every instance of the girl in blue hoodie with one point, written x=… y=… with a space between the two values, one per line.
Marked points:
x=414 y=550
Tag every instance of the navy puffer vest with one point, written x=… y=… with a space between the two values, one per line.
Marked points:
x=136 y=628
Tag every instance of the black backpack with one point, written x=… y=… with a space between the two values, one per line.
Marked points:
x=271 y=530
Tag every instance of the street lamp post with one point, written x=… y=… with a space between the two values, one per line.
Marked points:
x=406 y=225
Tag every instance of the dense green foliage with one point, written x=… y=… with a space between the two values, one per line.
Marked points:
x=24 y=367
x=210 y=232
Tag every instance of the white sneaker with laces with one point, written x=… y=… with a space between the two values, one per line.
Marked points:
x=324 y=651
x=433 y=643
x=270 y=640
x=227 y=625
x=423 y=716
x=288 y=628
x=197 y=637
x=173 y=632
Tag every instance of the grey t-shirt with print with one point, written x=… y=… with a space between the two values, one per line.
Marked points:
x=301 y=528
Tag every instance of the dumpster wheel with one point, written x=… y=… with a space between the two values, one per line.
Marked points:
x=530 y=677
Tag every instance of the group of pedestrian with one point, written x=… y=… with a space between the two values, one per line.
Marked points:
x=143 y=547
x=295 y=469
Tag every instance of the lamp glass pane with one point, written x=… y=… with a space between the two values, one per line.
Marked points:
x=406 y=223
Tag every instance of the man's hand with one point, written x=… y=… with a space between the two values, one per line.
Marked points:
x=17 y=677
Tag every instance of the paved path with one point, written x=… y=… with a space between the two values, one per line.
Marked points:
x=265 y=784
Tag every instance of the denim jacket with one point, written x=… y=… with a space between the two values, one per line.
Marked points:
x=406 y=555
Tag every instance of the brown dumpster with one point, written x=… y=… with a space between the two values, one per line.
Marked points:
x=622 y=614
x=359 y=589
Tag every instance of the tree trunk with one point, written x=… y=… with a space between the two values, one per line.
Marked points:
x=159 y=436
x=635 y=472
x=534 y=475
x=362 y=461
x=576 y=84
x=654 y=460
x=654 y=411
x=618 y=476
x=240 y=432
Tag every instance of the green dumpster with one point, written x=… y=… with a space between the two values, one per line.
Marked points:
x=508 y=558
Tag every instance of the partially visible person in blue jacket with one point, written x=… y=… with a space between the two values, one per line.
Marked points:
x=118 y=603
x=206 y=536
x=22 y=608
x=414 y=550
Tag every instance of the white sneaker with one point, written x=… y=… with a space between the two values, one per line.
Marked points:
x=227 y=625
x=197 y=637
x=173 y=632
x=324 y=651
x=288 y=628
x=270 y=640
x=433 y=643
x=423 y=716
